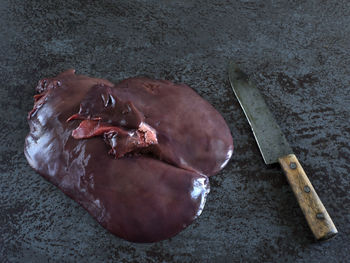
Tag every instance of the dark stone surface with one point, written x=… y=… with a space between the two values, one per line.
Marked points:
x=297 y=52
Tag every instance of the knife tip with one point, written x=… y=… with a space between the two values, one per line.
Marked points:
x=232 y=64
x=235 y=73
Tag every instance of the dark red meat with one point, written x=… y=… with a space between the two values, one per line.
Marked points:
x=136 y=155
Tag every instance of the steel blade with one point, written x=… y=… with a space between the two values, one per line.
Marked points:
x=271 y=141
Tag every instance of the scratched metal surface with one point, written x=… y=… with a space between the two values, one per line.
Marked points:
x=296 y=51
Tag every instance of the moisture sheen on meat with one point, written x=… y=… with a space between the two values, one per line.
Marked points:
x=136 y=155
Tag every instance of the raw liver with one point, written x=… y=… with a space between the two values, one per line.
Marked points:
x=149 y=194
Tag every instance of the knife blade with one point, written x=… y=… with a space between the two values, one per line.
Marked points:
x=275 y=149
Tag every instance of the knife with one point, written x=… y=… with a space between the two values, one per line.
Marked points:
x=275 y=149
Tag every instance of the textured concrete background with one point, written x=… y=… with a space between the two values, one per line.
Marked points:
x=296 y=51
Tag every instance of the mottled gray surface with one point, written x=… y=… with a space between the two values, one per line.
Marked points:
x=297 y=52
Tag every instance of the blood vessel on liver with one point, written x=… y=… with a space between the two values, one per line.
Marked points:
x=136 y=155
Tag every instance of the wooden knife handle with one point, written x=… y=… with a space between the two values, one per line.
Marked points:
x=315 y=213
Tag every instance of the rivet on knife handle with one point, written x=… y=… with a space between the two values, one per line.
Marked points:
x=315 y=213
